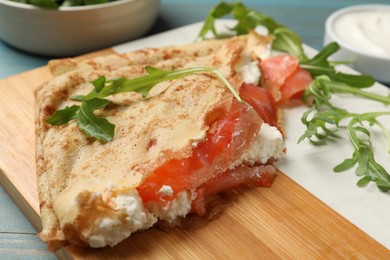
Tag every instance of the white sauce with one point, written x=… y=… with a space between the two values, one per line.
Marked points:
x=365 y=30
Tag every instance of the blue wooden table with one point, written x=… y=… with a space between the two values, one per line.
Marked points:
x=307 y=17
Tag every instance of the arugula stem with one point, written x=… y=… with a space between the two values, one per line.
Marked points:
x=316 y=68
x=352 y=134
x=342 y=88
x=386 y=133
x=139 y=83
x=378 y=173
x=127 y=86
x=364 y=117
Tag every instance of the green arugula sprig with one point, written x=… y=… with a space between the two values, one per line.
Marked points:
x=99 y=127
x=323 y=119
x=320 y=65
x=53 y=4
x=285 y=40
x=363 y=155
x=93 y=126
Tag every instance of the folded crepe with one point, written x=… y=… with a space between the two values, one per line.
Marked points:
x=187 y=141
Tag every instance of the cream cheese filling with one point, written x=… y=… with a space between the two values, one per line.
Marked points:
x=132 y=215
x=268 y=144
x=249 y=70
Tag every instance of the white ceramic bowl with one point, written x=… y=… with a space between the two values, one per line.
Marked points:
x=363 y=59
x=69 y=31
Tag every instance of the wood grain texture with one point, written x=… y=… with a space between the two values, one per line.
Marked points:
x=284 y=221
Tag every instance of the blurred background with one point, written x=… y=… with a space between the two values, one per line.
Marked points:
x=306 y=17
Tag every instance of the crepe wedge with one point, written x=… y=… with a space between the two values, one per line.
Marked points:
x=172 y=152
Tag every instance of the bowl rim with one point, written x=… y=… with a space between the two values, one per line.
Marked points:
x=334 y=37
x=64 y=8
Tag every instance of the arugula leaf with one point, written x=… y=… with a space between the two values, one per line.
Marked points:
x=53 y=4
x=288 y=41
x=338 y=87
x=43 y=3
x=63 y=116
x=347 y=163
x=97 y=103
x=93 y=126
x=322 y=122
x=100 y=128
x=356 y=81
x=98 y=84
x=154 y=76
x=367 y=166
x=72 y=3
x=319 y=65
x=322 y=126
x=285 y=39
x=219 y=11
x=94 y=2
x=322 y=87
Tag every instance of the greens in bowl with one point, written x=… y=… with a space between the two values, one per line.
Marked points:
x=60 y=3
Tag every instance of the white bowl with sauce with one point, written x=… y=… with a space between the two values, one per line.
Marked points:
x=363 y=33
x=74 y=30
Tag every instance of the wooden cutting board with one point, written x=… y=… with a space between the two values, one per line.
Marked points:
x=284 y=221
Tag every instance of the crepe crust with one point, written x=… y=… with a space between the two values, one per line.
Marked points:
x=72 y=167
x=148 y=56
